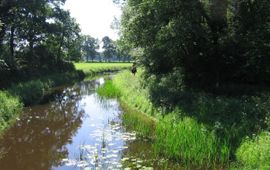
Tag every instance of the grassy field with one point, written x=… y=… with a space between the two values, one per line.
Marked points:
x=92 y=69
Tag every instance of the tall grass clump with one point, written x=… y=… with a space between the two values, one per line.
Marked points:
x=190 y=142
x=254 y=153
x=108 y=90
x=10 y=107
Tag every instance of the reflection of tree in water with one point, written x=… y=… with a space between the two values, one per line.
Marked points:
x=38 y=140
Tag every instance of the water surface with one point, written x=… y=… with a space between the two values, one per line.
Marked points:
x=76 y=130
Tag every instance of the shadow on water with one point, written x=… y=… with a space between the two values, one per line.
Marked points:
x=77 y=130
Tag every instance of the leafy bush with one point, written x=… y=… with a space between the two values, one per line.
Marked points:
x=255 y=153
x=30 y=92
x=10 y=107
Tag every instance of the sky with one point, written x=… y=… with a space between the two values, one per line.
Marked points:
x=94 y=16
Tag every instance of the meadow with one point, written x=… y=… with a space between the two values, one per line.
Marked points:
x=92 y=69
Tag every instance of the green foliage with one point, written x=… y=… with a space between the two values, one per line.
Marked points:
x=182 y=139
x=109 y=48
x=10 y=108
x=221 y=121
x=30 y=92
x=35 y=39
x=255 y=153
x=209 y=44
x=89 y=47
x=108 y=90
x=190 y=142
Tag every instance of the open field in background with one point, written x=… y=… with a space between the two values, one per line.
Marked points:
x=92 y=69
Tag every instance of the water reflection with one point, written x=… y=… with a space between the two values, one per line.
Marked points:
x=79 y=130
x=38 y=139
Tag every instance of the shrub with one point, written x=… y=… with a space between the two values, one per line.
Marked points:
x=29 y=92
x=255 y=153
x=10 y=107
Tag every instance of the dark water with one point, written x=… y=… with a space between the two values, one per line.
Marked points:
x=77 y=130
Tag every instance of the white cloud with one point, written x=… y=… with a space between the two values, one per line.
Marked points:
x=94 y=16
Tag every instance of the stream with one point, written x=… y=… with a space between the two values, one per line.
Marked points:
x=76 y=130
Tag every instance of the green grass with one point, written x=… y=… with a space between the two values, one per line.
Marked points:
x=134 y=120
x=254 y=153
x=190 y=142
x=204 y=130
x=179 y=138
x=10 y=108
x=108 y=90
x=91 y=69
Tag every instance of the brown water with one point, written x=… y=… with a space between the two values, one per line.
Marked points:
x=77 y=130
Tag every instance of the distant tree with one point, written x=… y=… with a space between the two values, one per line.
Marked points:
x=89 y=47
x=109 y=48
x=123 y=51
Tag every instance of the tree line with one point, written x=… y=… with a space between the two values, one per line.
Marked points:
x=39 y=37
x=203 y=44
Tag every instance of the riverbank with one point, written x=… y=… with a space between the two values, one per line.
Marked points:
x=94 y=69
x=33 y=91
x=30 y=92
x=206 y=131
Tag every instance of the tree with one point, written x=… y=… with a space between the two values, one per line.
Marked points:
x=206 y=44
x=32 y=29
x=90 y=46
x=122 y=50
x=109 y=48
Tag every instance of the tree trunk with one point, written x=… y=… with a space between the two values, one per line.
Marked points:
x=11 y=46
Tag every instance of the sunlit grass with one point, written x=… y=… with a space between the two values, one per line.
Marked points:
x=174 y=137
x=108 y=90
x=91 y=69
x=190 y=142
x=255 y=153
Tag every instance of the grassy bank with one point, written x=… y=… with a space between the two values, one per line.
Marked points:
x=92 y=69
x=30 y=92
x=204 y=130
